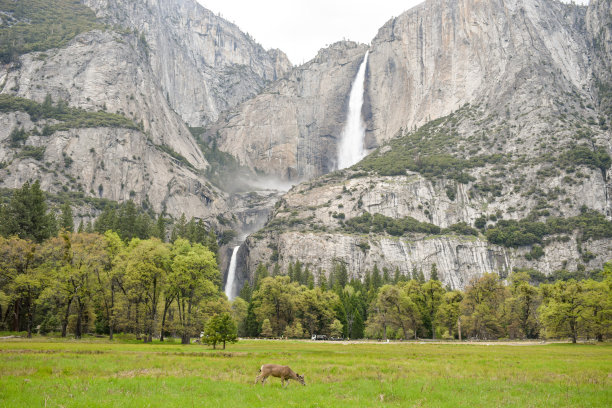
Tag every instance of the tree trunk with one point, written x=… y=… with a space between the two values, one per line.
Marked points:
x=459 y=327
x=65 y=321
x=16 y=312
x=185 y=339
x=110 y=329
x=161 y=335
x=29 y=322
x=223 y=344
x=79 y=329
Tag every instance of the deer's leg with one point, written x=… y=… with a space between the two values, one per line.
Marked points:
x=257 y=379
x=263 y=382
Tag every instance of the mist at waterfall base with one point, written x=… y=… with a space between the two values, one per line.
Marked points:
x=351 y=148
x=231 y=274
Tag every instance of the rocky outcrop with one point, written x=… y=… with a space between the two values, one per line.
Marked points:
x=203 y=64
x=291 y=129
x=434 y=58
x=458 y=258
x=106 y=71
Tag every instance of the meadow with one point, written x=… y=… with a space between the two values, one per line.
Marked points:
x=44 y=372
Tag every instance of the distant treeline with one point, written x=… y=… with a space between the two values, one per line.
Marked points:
x=127 y=280
x=395 y=306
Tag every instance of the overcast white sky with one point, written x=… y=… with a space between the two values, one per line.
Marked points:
x=301 y=27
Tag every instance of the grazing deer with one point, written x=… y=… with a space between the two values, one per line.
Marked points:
x=283 y=372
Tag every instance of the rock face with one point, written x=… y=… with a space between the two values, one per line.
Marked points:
x=434 y=58
x=512 y=88
x=423 y=65
x=204 y=64
x=106 y=70
x=160 y=64
x=291 y=128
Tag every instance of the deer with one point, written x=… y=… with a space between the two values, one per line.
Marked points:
x=283 y=372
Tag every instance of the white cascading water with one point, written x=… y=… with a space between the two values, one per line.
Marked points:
x=231 y=274
x=351 y=148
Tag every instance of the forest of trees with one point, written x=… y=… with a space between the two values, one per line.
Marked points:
x=394 y=306
x=119 y=276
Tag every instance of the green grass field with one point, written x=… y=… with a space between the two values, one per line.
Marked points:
x=88 y=373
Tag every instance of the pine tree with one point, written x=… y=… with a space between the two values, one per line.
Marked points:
x=434 y=272
x=421 y=276
x=376 y=279
x=396 y=276
x=386 y=276
x=246 y=292
x=252 y=327
x=276 y=271
x=66 y=220
x=161 y=227
x=26 y=214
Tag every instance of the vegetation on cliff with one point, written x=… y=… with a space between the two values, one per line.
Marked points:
x=39 y=25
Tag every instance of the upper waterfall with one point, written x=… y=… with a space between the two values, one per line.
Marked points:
x=351 y=148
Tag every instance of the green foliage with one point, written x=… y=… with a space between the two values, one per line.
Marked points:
x=511 y=233
x=195 y=232
x=36 y=153
x=220 y=329
x=461 y=228
x=26 y=214
x=176 y=156
x=596 y=158
x=379 y=223
x=66 y=220
x=17 y=136
x=69 y=118
x=38 y=25
x=427 y=151
x=535 y=253
x=128 y=220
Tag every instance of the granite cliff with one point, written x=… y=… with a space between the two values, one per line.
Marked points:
x=512 y=99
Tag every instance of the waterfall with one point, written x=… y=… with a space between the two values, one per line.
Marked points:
x=351 y=149
x=231 y=274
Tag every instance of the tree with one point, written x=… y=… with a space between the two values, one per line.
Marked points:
x=449 y=311
x=563 y=309
x=194 y=277
x=266 y=328
x=17 y=281
x=352 y=308
x=239 y=314
x=66 y=220
x=275 y=300
x=335 y=330
x=220 y=329
x=251 y=325
x=483 y=307
x=598 y=301
x=521 y=307
x=400 y=309
x=315 y=308
x=105 y=284
x=432 y=295
x=26 y=215
x=146 y=264
x=433 y=275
